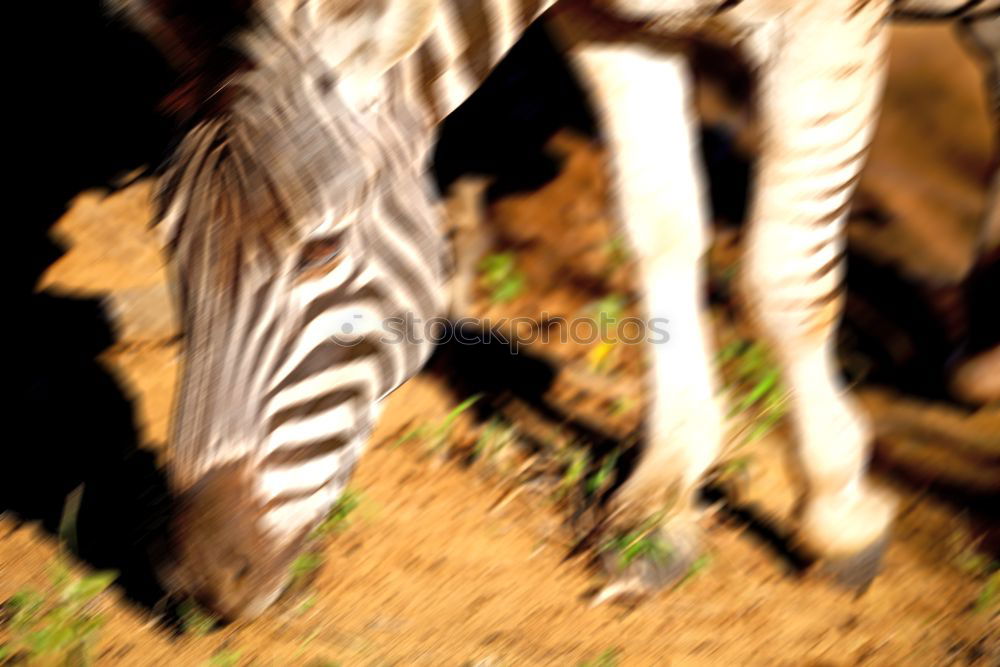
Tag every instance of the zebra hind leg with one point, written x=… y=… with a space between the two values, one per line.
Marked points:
x=822 y=97
x=976 y=379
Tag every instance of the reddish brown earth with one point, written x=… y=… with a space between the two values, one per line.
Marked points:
x=445 y=565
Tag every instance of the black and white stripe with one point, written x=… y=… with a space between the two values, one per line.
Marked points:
x=271 y=381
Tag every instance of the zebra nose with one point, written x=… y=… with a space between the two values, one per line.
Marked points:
x=170 y=576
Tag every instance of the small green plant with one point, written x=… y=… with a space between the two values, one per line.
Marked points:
x=194 y=620
x=735 y=466
x=225 y=658
x=617 y=252
x=305 y=565
x=966 y=557
x=608 y=312
x=437 y=435
x=59 y=623
x=643 y=542
x=989 y=597
x=495 y=436
x=603 y=476
x=305 y=606
x=757 y=387
x=576 y=462
x=600 y=356
x=973 y=563
x=697 y=567
x=620 y=406
x=612 y=307
x=499 y=274
x=608 y=658
x=338 y=519
x=418 y=432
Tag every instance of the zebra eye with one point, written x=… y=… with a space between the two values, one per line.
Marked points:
x=242 y=570
x=320 y=254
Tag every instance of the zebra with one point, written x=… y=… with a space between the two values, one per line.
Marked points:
x=297 y=220
x=820 y=69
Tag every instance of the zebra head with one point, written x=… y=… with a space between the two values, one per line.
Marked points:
x=295 y=227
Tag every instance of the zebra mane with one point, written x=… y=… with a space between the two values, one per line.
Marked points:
x=250 y=180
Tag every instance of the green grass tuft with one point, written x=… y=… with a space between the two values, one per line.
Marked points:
x=499 y=274
x=576 y=462
x=757 y=388
x=604 y=475
x=620 y=406
x=989 y=597
x=225 y=658
x=306 y=605
x=700 y=564
x=305 y=565
x=643 y=542
x=617 y=252
x=975 y=564
x=437 y=435
x=607 y=313
x=494 y=438
x=338 y=519
x=608 y=658
x=195 y=620
x=57 y=623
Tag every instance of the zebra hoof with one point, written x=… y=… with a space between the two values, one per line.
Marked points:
x=856 y=572
x=641 y=565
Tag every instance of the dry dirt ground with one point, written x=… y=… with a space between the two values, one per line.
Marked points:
x=442 y=565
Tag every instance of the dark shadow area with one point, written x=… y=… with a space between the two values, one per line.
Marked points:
x=89 y=108
x=502 y=129
x=760 y=526
x=977 y=509
x=889 y=323
x=981 y=291
x=476 y=362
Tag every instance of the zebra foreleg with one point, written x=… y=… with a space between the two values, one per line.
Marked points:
x=641 y=96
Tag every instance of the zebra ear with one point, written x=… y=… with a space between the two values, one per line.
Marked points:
x=186 y=32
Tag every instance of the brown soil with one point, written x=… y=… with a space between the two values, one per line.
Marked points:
x=444 y=566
